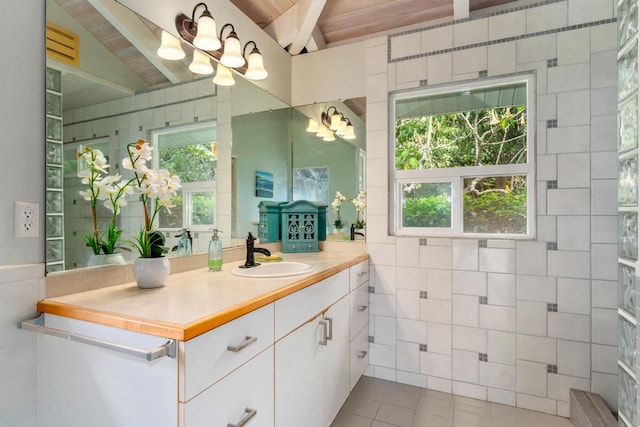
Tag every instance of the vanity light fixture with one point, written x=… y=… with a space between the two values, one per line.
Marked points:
x=255 y=66
x=335 y=121
x=223 y=76
x=201 y=34
x=201 y=64
x=170 y=47
x=206 y=34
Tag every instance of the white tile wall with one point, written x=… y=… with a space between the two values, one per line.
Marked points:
x=21 y=287
x=519 y=278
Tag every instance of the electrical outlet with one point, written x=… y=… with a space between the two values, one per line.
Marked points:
x=27 y=219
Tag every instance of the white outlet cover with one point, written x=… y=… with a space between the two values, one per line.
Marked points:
x=26 y=220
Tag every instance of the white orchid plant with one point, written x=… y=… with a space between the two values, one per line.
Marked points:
x=156 y=189
x=111 y=189
x=360 y=204
x=335 y=206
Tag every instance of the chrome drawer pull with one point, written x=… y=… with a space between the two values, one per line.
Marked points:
x=362 y=354
x=330 y=334
x=361 y=308
x=363 y=273
x=249 y=413
x=169 y=348
x=323 y=340
x=244 y=344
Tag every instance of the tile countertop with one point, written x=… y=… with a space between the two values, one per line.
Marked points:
x=193 y=302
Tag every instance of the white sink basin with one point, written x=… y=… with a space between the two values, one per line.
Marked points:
x=274 y=269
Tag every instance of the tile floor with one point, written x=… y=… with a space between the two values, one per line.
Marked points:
x=380 y=403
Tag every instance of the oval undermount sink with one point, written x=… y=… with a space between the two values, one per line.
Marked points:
x=274 y=269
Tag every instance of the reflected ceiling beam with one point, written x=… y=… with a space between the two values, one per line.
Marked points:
x=140 y=36
x=460 y=9
x=298 y=28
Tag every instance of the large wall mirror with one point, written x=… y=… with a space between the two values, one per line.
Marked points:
x=220 y=140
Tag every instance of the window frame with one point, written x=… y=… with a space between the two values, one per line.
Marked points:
x=456 y=175
x=188 y=189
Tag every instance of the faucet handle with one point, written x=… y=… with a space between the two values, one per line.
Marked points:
x=251 y=237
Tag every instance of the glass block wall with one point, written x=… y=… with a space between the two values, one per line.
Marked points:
x=54 y=200
x=627 y=210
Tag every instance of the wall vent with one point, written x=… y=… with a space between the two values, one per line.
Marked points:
x=62 y=44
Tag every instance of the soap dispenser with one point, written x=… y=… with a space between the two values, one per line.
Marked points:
x=215 y=252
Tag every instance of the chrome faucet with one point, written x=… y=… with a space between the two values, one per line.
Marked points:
x=250 y=261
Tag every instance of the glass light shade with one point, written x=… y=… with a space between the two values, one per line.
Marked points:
x=322 y=132
x=329 y=137
x=313 y=126
x=170 y=47
x=223 y=76
x=201 y=64
x=231 y=56
x=255 y=68
x=349 y=132
x=335 y=121
x=206 y=38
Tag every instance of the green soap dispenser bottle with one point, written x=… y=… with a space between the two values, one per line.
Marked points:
x=215 y=252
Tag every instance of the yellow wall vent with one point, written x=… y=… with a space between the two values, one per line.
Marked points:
x=62 y=44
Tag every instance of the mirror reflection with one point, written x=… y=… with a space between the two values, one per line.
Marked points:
x=222 y=142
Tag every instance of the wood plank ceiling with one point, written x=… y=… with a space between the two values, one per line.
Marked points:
x=323 y=21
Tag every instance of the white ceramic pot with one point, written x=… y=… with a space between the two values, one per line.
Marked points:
x=151 y=272
x=105 y=259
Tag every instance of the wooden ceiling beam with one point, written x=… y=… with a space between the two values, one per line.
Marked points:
x=140 y=36
x=297 y=27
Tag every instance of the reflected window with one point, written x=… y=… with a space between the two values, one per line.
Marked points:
x=463 y=160
x=191 y=153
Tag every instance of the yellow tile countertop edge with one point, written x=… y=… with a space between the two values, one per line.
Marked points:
x=192 y=302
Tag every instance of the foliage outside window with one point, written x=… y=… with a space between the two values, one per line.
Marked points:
x=190 y=153
x=463 y=163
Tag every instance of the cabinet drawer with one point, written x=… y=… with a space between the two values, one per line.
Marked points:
x=229 y=401
x=358 y=274
x=358 y=356
x=295 y=309
x=207 y=358
x=359 y=309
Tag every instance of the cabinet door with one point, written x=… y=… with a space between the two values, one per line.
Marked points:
x=359 y=311
x=235 y=397
x=335 y=370
x=83 y=385
x=299 y=376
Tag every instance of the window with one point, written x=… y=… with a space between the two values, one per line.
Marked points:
x=463 y=160
x=189 y=152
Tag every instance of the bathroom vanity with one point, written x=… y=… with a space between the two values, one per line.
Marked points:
x=208 y=349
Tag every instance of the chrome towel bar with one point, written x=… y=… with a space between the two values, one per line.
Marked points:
x=169 y=348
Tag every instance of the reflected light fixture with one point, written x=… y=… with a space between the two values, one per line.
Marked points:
x=332 y=122
x=206 y=34
x=255 y=66
x=231 y=55
x=223 y=76
x=170 y=47
x=201 y=64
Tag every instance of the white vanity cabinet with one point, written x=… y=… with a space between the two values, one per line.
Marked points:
x=289 y=363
